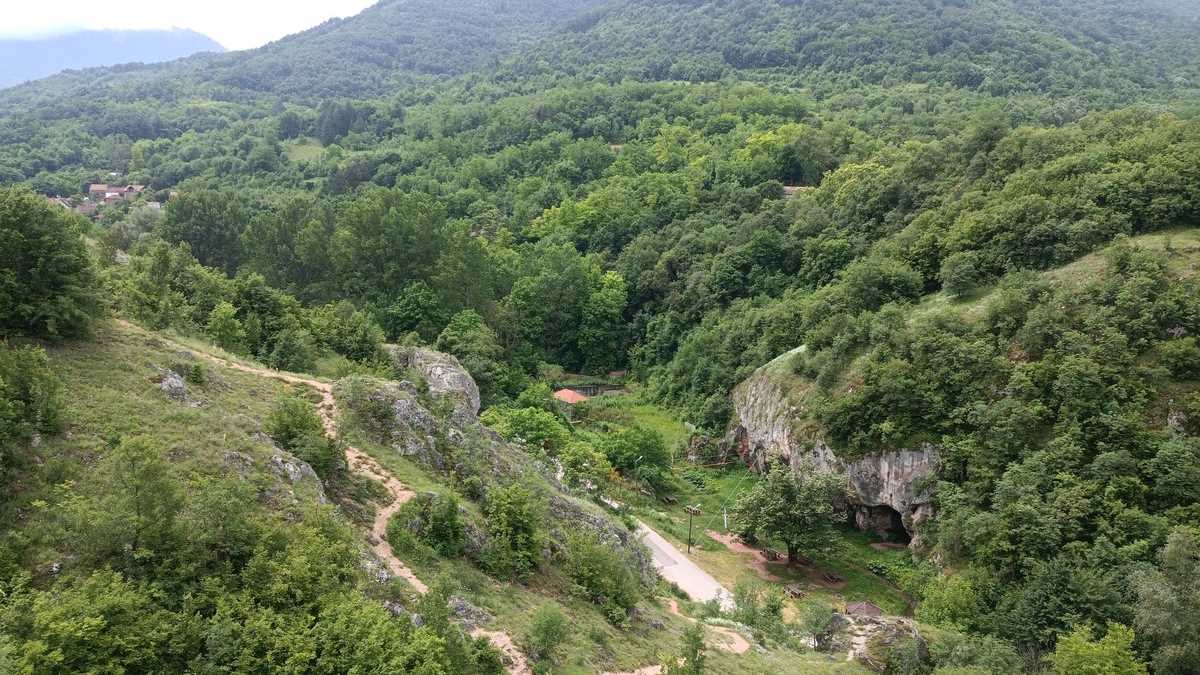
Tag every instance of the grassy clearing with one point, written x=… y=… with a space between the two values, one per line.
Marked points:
x=111 y=387
x=625 y=410
x=1182 y=246
x=303 y=150
x=722 y=487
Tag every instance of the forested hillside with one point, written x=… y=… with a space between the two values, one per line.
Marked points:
x=1110 y=51
x=977 y=218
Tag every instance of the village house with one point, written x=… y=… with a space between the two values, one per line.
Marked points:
x=570 y=396
x=110 y=194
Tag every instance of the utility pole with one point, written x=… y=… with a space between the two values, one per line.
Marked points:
x=692 y=512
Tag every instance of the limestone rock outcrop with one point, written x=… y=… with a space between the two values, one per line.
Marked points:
x=869 y=639
x=452 y=440
x=889 y=489
x=446 y=377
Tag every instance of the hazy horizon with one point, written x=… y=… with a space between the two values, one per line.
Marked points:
x=233 y=24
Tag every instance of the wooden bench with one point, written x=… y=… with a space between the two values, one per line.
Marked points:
x=771 y=554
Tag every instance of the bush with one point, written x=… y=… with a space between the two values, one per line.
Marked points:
x=984 y=652
x=515 y=532
x=320 y=453
x=539 y=430
x=546 y=632
x=195 y=374
x=30 y=400
x=582 y=463
x=691 y=657
x=292 y=419
x=296 y=428
x=1077 y=653
x=759 y=607
x=816 y=619
x=1181 y=358
x=538 y=395
x=698 y=478
x=950 y=601
x=435 y=521
x=640 y=454
x=603 y=573
x=294 y=350
x=962 y=273
x=225 y=329
x=353 y=334
x=47 y=284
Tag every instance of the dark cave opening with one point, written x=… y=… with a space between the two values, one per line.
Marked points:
x=884 y=521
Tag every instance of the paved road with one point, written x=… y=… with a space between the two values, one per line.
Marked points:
x=675 y=566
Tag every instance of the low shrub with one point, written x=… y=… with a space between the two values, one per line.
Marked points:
x=603 y=573
x=435 y=521
x=546 y=632
x=515 y=531
x=294 y=425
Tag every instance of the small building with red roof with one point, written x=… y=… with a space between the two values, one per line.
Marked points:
x=570 y=396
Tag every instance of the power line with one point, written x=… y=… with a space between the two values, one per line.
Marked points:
x=729 y=496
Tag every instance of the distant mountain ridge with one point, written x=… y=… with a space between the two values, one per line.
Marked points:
x=22 y=60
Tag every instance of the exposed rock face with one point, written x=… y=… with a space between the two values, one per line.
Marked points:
x=394 y=413
x=1177 y=420
x=446 y=377
x=884 y=485
x=472 y=617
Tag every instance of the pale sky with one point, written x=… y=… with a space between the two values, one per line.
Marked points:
x=236 y=24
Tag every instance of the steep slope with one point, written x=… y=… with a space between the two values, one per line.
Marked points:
x=22 y=60
x=1001 y=47
x=362 y=464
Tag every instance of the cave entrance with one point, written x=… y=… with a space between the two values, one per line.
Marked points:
x=884 y=521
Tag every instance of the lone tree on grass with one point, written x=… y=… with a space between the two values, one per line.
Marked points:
x=798 y=507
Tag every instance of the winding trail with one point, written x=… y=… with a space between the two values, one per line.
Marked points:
x=362 y=464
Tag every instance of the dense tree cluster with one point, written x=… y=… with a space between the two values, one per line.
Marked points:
x=47 y=283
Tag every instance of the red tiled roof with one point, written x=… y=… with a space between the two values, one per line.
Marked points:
x=570 y=396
